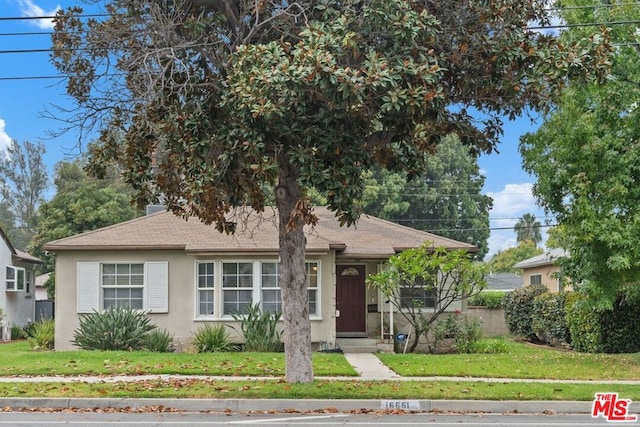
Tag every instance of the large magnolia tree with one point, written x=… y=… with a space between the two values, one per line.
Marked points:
x=205 y=102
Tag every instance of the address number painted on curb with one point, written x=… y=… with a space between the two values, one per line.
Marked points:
x=409 y=405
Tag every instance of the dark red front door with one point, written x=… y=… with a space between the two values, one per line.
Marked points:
x=350 y=299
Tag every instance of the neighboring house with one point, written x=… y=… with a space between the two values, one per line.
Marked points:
x=503 y=281
x=41 y=290
x=17 y=273
x=543 y=270
x=185 y=273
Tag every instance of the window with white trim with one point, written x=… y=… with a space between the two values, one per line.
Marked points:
x=535 y=279
x=15 y=278
x=122 y=285
x=313 y=284
x=270 y=281
x=270 y=286
x=141 y=285
x=237 y=287
x=205 y=283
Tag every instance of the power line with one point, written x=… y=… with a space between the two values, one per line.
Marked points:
x=38 y=18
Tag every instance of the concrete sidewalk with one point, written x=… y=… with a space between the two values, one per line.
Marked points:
x=368 y=366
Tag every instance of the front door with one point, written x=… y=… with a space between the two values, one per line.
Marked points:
x=350 y=300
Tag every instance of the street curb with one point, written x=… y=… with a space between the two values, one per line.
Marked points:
x=301 y=405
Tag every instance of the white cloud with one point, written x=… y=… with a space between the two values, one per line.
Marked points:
x=5 y=140
x=29 y=9
x=509 y=205
x=514 y=199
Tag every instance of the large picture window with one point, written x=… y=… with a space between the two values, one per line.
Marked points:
x=205 y=288
x=237 y=287
x=122 y=286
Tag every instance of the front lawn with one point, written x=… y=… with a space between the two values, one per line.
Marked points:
x=521 y=361
x=16 y=358
x=525 y=361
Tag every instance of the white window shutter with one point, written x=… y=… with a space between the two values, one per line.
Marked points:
x=157 y=287
x=88 y=287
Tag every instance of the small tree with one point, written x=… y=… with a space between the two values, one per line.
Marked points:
x=424 y=277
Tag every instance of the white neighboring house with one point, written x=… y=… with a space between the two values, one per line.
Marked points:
x=17 y=293
x=41 y=291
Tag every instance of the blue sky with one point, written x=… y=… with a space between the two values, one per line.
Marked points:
x=23 y=102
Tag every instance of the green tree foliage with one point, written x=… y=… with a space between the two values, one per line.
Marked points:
x=446 y=277
x=585 y=157
x=229 y=98
x=518 y=311
x=596 y=329
x=528 y=228
x=81 y=203
x=504 y=261
x=23 y=182
x=446 y=200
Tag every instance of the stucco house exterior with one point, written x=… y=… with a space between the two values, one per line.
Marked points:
x=544 y=270
x=17 y=296
x=185 y=273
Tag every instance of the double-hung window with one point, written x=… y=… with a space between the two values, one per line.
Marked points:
x=205 y=288
x=237 y=287
x=122 y=285
x=271 y=294
x=312 y=288
x=15 y=278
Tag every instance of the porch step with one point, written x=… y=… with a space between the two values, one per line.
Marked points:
x=357 y=345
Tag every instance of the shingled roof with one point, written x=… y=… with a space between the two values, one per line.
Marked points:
x=371 y=237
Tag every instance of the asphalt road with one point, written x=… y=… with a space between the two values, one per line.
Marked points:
x=198 y=419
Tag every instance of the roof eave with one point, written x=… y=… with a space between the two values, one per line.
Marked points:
x=95 y=247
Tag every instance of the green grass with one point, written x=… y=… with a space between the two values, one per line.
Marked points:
x=16 y=358
x=523 y=361
x=319 y=389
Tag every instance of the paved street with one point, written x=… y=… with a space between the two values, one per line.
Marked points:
x=208 y=419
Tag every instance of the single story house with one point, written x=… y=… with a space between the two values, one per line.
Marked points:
x=184 y=272
x=17 y=297
x=543 y=270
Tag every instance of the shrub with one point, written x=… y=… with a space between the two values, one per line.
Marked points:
x=490 y=346
x=17 y=332
x=518 y=310
x=113 y=329
x=488 y=299
x=260 y=330
x=620 y=326
x=159 y=341
x=212 y=339
x=582 y=321
x=468 y=334
x=464 y=330
x=42 y=335
x=548 y=319
x=595 y=329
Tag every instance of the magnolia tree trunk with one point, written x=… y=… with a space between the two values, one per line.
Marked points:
x=293 y=283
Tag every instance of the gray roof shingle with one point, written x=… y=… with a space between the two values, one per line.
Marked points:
x=371 y=237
